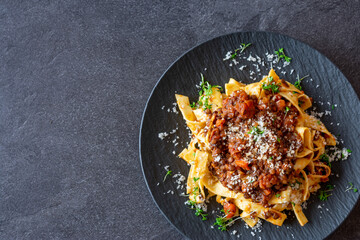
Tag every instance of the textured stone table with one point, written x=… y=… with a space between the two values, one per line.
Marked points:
x=74 y=79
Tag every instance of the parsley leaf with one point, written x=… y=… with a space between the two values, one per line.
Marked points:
x=193 y=205
x=195 y=179
x=224 y=222
x=255 y=131
x=270 y=85
x=242 y=48
x=324 y=194
x=281 y=54
x=245 y=46
x=200 y=212
x=298 y=82
x=233 y=56
x=167 y=174
x=287 y=109
x=205 y=93
x=325 y=158
x=278 y=195
x=351 y=188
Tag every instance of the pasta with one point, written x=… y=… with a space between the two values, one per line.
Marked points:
x=255 y=149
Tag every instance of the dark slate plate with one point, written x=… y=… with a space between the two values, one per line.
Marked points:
x=327 y=86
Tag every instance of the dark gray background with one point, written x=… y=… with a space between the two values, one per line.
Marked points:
x=74 y=80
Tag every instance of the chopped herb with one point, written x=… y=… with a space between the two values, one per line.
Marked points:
x=278 y=139
x=167 y=174
x=325 y=158
x=244 y=46
x=200 y=212
x=255 y=131
x=278 y=195
x=224 y=222
x=348 y=150
x=233 y=56
x=271 y=158
x=295 y=92
x=298 y=82
x=205 y=93
x=287 y=109
x=293 y=204
x=332 y=107
x=241 y=49
x=324 y=194
x=318 y=122
x=351 y=188
x=193 y=205
x=194 y=154
x=270 y=85
x=196 y=191
x=195 y=179
x=281 y=54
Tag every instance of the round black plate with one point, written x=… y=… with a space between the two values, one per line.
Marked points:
x=326 y=84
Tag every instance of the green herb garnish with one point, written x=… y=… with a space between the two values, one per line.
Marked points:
x=318 y=122
x=241 y=49
x=255 y=131
x=287 y=109
x=351 y=188
x=270 y=85
x=324 y=194
x=325 y=158
x=224 y=222
x=193 y=205
x=195 y=179
x=200 y=212
x=167 y=174
x=278 y=195
x=205 y=93
x=281 y=54
x=298 y=82
x=245 y=46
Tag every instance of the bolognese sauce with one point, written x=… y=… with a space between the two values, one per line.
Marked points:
x=253 y=143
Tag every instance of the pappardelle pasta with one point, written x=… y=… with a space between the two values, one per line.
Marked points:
x=255 y=149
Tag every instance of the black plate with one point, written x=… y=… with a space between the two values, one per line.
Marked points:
x=327 y=85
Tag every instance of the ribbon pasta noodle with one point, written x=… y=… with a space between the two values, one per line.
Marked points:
x=255 y=149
